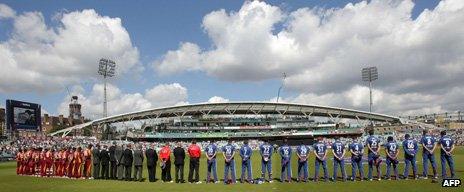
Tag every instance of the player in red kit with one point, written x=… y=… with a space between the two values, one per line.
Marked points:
x=49 y=162
x=194 y=152
x=42 y=162
x=77 y=163
x=56 y=162
x=165 y=163
x=70 y=163
x=36 y=162
x=87 y=161
x=63 y=157
x=29 y=161
x=18 y=161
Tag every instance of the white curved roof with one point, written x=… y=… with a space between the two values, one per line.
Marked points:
x=247 y=108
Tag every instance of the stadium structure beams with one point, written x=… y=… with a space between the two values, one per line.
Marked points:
x=244 y=108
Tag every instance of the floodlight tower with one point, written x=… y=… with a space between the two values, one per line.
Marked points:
x=370 y=74
x=284 y=75
x=106 y=69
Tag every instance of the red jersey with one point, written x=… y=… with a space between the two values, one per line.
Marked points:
x=49 y=156
x=77 y=157
x=87 y=154
x=19 y=156
x=194 y=151
x=165 y=153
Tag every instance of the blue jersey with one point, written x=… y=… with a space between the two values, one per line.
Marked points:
x=447 y=143
x=392 y=148
x=245 y=152
x=428 y=141
x=285 y=152
x=320 y=148
x=373 y=142
x=228 y=150
x=302 y=151
x=410 y=146
x=210 y=150
x=357 y=148
x=338 y=147
x=266 y=150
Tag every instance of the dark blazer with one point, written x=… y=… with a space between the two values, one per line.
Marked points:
x=96 y=155
x=105 y=157
x=128 y=157
x=179 y=156
x=112 y=150
x=118 y=154
x=138 y=157
x=152 y=157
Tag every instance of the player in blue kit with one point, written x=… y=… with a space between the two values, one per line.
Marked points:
x=211 y=165
x=338 y=150
x=320 y=150
x=428 y=147
x=356 y=150
x=229 y=153
x=303 y=155
x=245 y=153
x=285 y=154
x=410 y=150
x=266 y=150
x=373 y=155
x=391 y=150
x=447 y=147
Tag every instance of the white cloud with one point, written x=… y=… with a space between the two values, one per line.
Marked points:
x=217 y=99
x=396 y=104
x=167 y=95
x=323 y=50
x=119 y=102
x=39 y=58
x=6 y=11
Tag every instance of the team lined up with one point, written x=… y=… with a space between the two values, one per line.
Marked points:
x=77 y=163
x=69 y=162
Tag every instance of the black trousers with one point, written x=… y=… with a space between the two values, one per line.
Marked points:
x=96 y=170
x=113 y=169
x=166 y=172
x=128 y=170
x=179 y=169
x=151 y=173
x=104 y=171
x=194 y=167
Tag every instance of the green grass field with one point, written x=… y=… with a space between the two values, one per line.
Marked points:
x=9 y=181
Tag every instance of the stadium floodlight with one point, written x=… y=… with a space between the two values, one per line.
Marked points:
x=370 y=74
x=106 y=68
x=284 y=75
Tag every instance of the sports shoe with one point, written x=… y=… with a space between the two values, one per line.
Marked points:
x=198 y=182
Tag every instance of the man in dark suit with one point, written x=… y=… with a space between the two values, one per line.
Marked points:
x=113 y=166
x=105 y=162
x=128 y=159
x=96 y=161
x=138 y=162
x=152 y=160
x=119 y=161
x=179 y=157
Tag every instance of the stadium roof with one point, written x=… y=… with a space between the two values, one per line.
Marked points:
x=248 y=108
x=239 y=108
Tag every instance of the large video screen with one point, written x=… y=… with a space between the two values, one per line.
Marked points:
x=23 y=115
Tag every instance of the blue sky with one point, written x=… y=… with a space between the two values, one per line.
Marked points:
x=155 y=27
